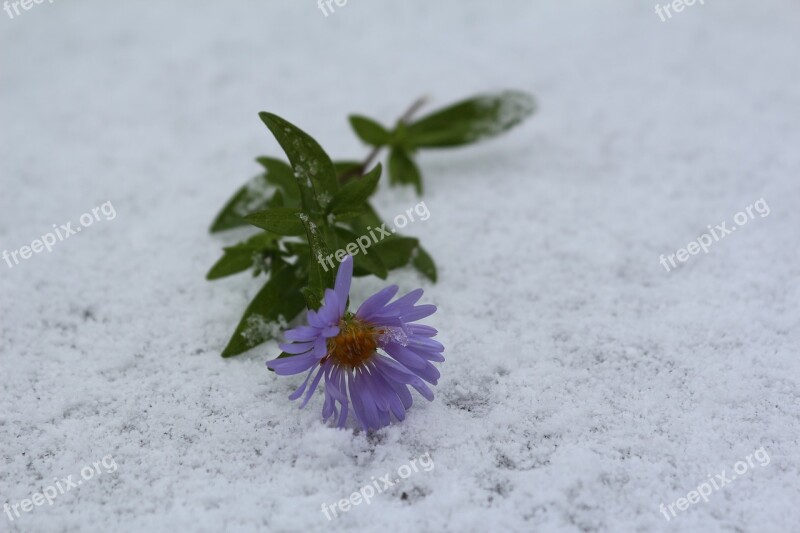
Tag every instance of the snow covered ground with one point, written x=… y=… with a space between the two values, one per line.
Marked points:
x=585 y=385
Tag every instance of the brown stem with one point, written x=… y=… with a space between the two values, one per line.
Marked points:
x=363 y=167
x=413 y=109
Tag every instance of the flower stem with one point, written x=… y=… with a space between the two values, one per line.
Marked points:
x=363 y=167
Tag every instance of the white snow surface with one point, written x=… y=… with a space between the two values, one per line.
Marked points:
x=584 y=384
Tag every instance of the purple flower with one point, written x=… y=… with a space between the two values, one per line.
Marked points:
x=341 y=348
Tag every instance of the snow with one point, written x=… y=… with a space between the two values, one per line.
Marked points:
x=258 y=328
x=584 y=385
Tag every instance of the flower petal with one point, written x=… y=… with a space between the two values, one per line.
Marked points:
x=376 y=391
x=296 y=347
x=402 y=393
x=320 y=347
x=395 y=404
x=430 y=373
x=425 y=343
x=396 y=372
x=329 y=312
x=314 y=320
x=327 y=407
x=341 y=387
x=355 y=397
x=330 y=331
x=376 y=302
x=342 y=286
x=419 y=312
x=422 y=329
x=402 y=305
x=287 y=366
x=370 y=408
x=301 y=333
x=314 y=384
x=405 y=356
x=299 y=392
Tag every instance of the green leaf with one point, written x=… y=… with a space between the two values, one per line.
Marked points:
x=369 y=222
x=281 y=175
x=276 y=200
x=368 y=219
x=313 y=170
x=369 y=131
x=253 y=196
x=349 y=201
x=234 y=260
x=280 y=220
x=297 y=248
x=403 y=170
x=241 y=256
x=423 y=262
x=257 y=194
x=396 y=253
x=320 y=275
x=343 y=167
x=316 y=178
x=471 y=120
x=276 y=304
x=364 y=262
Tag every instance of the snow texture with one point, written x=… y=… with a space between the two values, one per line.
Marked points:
x=584 y=384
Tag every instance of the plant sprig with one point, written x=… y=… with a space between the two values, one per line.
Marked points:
x=314 y=205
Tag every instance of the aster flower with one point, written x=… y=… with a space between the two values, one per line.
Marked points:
x=341 y=347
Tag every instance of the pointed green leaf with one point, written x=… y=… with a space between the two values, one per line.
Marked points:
x=346 y=166
x=320 y=275
x=403 y=170
x=257 y=194
x=297 y=248
x=242 y=256
x=281 y=175
x=349 y=201
x=280 y=220
x=313 y=170
x=275 y=305
x=234 y=260
x=368 y=219
x=253 y=196
x=276 y=200
x=471 y=120
x=347 y=169
x=423 y=262
x=366 y=261
x=396 y=253
x=369 y=131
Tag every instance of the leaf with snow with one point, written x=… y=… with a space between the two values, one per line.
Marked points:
x=471 y=120
x=279 y=220
x=280 y=300
x=313 y=170
x=243 y=255
x=256 y=194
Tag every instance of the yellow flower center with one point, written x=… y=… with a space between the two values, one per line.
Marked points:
x=354 y=345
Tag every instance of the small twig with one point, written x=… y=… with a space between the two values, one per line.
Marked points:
x=363 y=167
x=413 y=109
